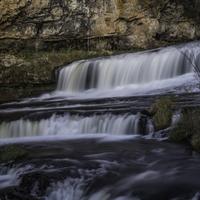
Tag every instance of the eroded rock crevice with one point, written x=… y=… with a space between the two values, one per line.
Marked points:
x=141 y=24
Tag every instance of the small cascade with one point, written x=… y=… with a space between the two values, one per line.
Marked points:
x=99 y=168
x=144 y=71
x=128 y=69
x=69 y=124
x=69 y=190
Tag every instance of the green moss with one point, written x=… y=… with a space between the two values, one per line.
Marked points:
x=195 y=142
x=31 y=67
x=179 y=133
x=39 y=66
x=185 y=128
x=61 y=56
x=188 y=129
x=162 y=112
x=12 y=153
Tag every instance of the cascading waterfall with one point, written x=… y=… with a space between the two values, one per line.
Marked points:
x=133 y=69
x=98 y=168
x=62 y=125
x=127 y=69
x=69 y=190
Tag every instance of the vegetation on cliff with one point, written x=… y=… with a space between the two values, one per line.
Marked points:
x=185 y=130
x=35 y=34
x=116 y=24
x=28 y=73
x=162 y=112
x=32 y=67
x=188 y=128
x=12 y=153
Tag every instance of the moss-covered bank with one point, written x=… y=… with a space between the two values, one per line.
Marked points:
x=188 y=128
x=30 y=67
x=28 y=73
x=12 y=153
x=162 y=112
x=185 y=129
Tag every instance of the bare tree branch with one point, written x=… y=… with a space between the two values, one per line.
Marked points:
x=193 y=59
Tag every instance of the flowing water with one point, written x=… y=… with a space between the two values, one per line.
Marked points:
x=123 y=70
x=62 y=125
x=169 y=67
x=97 y=116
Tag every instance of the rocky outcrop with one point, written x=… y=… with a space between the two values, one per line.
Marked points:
x=31 y=31
x=30 y=73
x=109 y=24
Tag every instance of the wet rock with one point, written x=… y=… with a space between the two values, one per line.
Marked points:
x=142 y=125
x=114 y=24
x=182 y=131
x=12 y=153
x=162 y=113
x=28 y=73
x=196 y=142
x=91 y=165
x=45 y=28
x=187 y=129
x=38 y=183
x=8 y=60
x=146 y=113
x=15 y=194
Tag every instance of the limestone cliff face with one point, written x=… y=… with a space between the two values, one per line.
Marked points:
x=109 y=24
x=30 y=28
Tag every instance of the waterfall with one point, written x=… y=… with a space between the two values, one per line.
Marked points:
x=127 y=69
x=69 y=124
x=130 y=73
x=69 y=190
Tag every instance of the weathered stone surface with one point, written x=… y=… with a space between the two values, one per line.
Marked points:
x=35 y=68
x=130 y=23
x=43 y=26
x=29 y=73
x=162 y=111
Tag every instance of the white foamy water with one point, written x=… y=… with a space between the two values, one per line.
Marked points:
x=180 y=84
x=69 y=190
x=63 y=125
x=154 y=72
x=74 y=189
x=8 y=178
x=11 y=176
x=151 y=72
x=128 y=69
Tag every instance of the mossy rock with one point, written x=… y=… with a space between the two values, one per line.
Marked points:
x=188 y=129
x=162 y=111
x=12 y=153
x=183 y=131
x=179 y=134
x=195 y=142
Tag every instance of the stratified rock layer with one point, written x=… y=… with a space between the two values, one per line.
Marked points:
x=108 y=24
x=37 y=36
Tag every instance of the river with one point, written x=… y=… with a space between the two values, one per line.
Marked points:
x=89 y=140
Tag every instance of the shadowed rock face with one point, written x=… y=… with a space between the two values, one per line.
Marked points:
x=114 y=24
